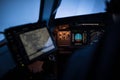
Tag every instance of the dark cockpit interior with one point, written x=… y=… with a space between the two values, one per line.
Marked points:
x=59 y=40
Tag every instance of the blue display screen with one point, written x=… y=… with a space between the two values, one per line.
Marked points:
x=78 y=37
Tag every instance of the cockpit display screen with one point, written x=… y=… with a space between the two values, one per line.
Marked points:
x=37 y=42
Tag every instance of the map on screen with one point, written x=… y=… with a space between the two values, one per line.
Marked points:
x=37 y=42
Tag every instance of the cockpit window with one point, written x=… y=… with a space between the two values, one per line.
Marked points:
x=80 y=7
x=18 y=12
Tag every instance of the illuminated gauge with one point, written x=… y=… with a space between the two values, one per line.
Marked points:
x=78 y=37
x=64 y=35
x=64 y=38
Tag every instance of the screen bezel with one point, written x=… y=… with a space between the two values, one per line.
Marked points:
x=16 y=31
x=40 y=57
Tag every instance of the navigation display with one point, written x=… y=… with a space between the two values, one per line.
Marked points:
x=37 y=42
x=64 y=38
